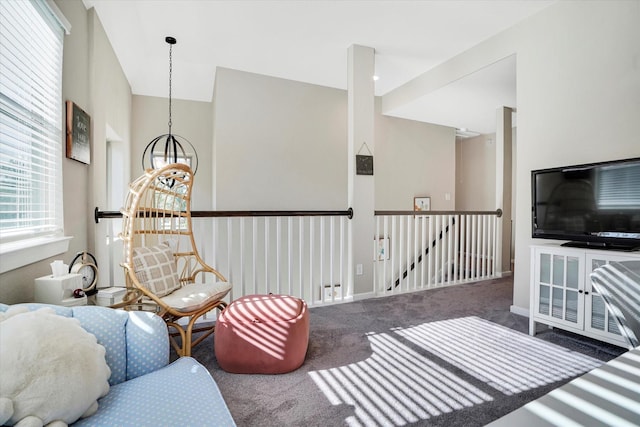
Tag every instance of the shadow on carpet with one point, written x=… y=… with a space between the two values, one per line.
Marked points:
x=451 y=356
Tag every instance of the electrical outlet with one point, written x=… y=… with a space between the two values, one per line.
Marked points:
x=337 y=292
x=359 y=270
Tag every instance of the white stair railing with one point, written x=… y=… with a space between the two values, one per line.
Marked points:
x=298 y=253
x=422 y=250
x=302 y=254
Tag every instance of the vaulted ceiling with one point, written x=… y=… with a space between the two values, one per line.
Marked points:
x=307 y=41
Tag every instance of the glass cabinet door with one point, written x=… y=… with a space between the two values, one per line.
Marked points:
x=559 y=288
x=544 y=285
x=598 y=318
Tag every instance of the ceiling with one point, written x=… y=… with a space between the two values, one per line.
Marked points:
x=307 y=41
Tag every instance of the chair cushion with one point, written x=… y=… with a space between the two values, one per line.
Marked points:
x=147 y=343
x=195 y=295
x=155 y=268
x=109 y=328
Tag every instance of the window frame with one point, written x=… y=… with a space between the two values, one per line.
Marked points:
x=20 y=249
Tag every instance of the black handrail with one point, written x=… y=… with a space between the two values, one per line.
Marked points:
x=98 y=214
x=497 y=212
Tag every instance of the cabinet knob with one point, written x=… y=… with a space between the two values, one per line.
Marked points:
x=580 y=291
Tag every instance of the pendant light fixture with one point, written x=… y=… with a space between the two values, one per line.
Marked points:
x=169 y=148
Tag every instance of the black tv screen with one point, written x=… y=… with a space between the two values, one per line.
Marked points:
x=594 y=205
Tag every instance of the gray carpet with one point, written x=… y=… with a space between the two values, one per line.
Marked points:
x=452 y=356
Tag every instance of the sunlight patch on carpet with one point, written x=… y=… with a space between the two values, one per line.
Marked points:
x=395 y=386
x=507 y=360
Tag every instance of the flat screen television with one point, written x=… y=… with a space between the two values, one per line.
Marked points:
x=594 y=205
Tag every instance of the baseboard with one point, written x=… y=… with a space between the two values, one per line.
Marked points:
x=519 y=310
x=366 y=295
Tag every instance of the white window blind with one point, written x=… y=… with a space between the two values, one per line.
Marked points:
x=618 y=187
x=31 y=42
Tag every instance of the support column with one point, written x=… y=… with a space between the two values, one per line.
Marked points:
x=361 y=99
x=503 y=187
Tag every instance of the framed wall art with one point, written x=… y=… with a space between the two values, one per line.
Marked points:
x=382 y=249
x=78 y=134
x=422 y=203
x=364 y=162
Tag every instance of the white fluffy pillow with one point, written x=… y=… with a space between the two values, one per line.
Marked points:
x=53 y=371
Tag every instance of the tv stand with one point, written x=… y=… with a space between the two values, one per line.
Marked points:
x=562 y=295
x=601 y=245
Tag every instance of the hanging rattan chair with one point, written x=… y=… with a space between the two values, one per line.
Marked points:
x=164 y=272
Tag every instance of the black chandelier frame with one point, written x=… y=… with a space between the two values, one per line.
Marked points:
x=169 y=148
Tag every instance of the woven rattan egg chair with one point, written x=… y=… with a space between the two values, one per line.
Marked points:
x=164 y=272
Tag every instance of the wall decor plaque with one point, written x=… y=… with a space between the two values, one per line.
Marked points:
x=78 y=134
x=364 y=163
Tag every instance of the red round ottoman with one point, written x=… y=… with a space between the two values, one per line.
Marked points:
x=262 y=334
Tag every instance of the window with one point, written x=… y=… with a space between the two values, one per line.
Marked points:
x=31 y=41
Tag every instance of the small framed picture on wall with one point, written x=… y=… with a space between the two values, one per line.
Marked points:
x=422 y=203
x=382 y=249
x=78 y=134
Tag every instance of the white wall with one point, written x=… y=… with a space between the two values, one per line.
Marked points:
x=476 y=181
x=282 y=145
x=413 y=159
x=476 y=173
x=110 y=110
x=578 y=85
x=279 y=144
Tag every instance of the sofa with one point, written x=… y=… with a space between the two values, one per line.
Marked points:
x=145 y=389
